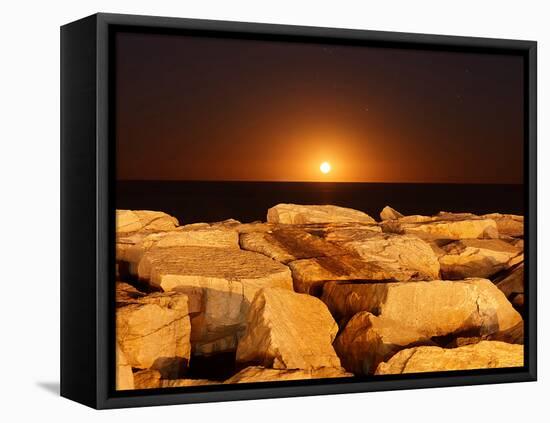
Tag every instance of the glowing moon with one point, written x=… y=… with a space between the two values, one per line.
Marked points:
x=325 y=167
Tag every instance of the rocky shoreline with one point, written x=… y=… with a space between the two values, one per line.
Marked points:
x=316 y=292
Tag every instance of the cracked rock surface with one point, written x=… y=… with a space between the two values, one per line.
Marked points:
x=154 y=330
x=287 y=330
x=434 y=308
x=368 y=340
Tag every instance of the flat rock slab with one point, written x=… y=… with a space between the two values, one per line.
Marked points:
x=443 y=227
x=481 y=258
x=154 y=331
x=435 y=308
x=261 y=374
x=289 y=244
x=367 y=340
x=311 y=274
x=167 y=268
x=507 y=225
x=130 y=249
x=222 y=281
x=286 y=330
x=128 y=221
x=300 y=214
x=483 y=355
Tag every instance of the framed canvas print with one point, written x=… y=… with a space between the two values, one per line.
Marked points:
x=256 y=211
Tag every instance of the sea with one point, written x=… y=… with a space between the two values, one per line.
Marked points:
x=212 y=201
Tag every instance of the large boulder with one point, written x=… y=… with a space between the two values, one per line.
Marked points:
x=408 y=257
x=154 y=331
x=435 y=308
x=261 y=374
x=368 y=340
x=128 y=221
x=220 y=282
x=124 y=376
x=483 y=355
x=476 y=258
x=299 y=214
x=286 y=330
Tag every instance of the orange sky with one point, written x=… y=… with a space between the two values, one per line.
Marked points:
x=195 y=108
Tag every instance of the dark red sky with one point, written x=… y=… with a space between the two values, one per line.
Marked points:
x=192 y=108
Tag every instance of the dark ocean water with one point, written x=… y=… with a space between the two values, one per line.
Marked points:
x=192 y=201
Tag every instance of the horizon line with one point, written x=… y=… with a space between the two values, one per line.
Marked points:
x=318 y=182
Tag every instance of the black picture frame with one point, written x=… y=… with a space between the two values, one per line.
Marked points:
x=87 y=212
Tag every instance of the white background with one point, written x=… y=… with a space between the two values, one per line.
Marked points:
x=29 y=168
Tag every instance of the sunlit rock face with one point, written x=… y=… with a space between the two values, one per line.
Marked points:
x=510 y=225
x=124 y=376
x=443 y=226
x=310 y=275
x=262 y=374
x=299 y=214
x=286 y=330
x=128 y=221
x=154 y=330
x=435 y=308
x=368 y=340
x=286 y=244
x=483 y=355
x=409 y=257
x=507 y=225
x=131 y=248
x=476 y=258
x=221 y=282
